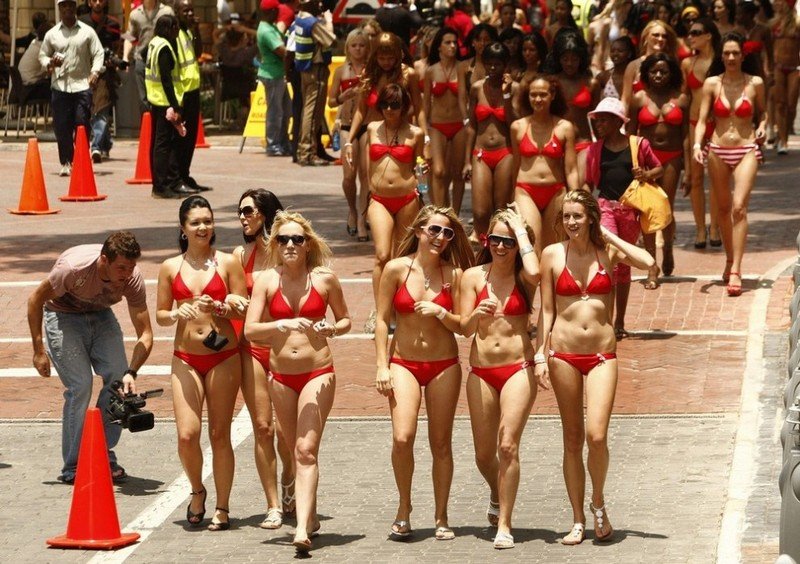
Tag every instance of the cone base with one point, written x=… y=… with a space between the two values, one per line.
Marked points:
x=202 y=146
x=83 y=198
x=124 y=539
x=32 y=212
x=139 y=181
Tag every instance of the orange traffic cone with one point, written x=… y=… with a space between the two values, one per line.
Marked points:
x=142 y=174
x=33 y=198
x=93 y=521
x=82 y=187
x=201 y=135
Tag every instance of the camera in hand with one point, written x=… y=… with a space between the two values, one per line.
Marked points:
x=111 y=60
x=215 y=341
x=127 y=410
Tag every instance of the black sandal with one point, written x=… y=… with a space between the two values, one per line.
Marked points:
x=221 y=526
x=195 y=519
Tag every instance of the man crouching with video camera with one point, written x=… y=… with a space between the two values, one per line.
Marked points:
x=83 y=336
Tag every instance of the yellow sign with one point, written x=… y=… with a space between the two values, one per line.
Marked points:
x=256 y=125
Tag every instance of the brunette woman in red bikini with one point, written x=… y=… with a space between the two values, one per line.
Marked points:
x=394 y=144
x=656 y=37
x=446 y=120
x=343 y=94
x=786 y=54
x=488 y=159
x=496 y=302
x=544 y=146
x=199 y=281
x=569 y=62
x=421 y=288
x=257 y=209
x=288 y=310
x=577 y=349
x=660 y=114
x=705 y=42
x=472 y=69
x=737 y=100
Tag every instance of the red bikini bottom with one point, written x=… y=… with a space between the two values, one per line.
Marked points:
x=203 y=363
x=448 y=129
x=491 y=157
x=497 y=376
x=261 y=354
x=425 y=371
x=583 y=363
x=666 y=156
x=394 y=204
x=298 y=381
x=581 y=146
x=541 y=194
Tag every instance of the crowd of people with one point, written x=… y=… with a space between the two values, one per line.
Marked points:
x=536 y=122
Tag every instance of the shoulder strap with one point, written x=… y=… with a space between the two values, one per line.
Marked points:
x=634 y=141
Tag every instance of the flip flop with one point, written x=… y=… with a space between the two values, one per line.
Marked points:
x=444 y=533
x=397 y=532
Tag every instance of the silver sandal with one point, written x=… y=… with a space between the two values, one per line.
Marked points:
x=273 y=520
x=287 y=499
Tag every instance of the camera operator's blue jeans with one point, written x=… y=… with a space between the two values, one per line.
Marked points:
x=101 y=132
x=80 y=345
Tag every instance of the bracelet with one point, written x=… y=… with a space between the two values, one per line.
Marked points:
x=466 y=121
x=525 y=250
x=281 y=326
x=520 y=233
x=132 y=372
x=539 y=358
x=442 y=313
x=507 y=96
x=335 y=332
x=173 y=315
x=348 y=144
x=427 y=139
x=696 y=146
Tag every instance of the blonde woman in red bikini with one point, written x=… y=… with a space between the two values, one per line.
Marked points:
x=656 y=37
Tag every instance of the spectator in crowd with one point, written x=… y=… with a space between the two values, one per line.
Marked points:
x=459 y=20
x=287 y=10
x=141 y=27
x=104 y=93
x=32 y=73
x=400 y=19
x=271 y=74
x=73 y=55
x=22 y=43
x=236 y=53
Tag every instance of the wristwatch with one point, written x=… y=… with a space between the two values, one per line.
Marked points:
x=132 y=372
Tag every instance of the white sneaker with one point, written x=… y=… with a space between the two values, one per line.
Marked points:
x=97 y=156
x=782 y=149
x=66 y=170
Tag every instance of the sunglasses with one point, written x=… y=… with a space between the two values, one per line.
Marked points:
x=434 y=231
x=497 y=240
x=247 y=211
x=697 y=32
x=390 y=105
x=296 y=239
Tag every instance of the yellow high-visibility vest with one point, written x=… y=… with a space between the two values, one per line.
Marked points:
x=187 y=61
x=152 y=76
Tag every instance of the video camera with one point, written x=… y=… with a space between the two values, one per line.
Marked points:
x=113 y=61
x=127 y=410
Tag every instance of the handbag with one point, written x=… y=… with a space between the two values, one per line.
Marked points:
x=651 y=201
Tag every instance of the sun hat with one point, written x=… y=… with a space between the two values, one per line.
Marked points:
x=610 y=105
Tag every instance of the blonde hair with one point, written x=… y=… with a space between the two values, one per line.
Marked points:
x=351 y=37
x=458 y=251
x=672 y=38
x=319 y=253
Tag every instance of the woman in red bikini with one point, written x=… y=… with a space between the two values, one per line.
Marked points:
x=724 y=14
x=660 y=114
x=621 y=53
x=394 y=144
x=758 y=37
x=472 y=69
x=420 y=288
x=384 y=66
x=495 y=304
x=656 y=37
x=343 y=94
x=786 y=54
x=488 y=159
x=534 y=53
x=544 y=146
x=257 y=209
x=705 y=41
x=737 y=100
x=287 y=310
x=577 y=350
x=192 y=291
x=569 y=62
x=446 y=120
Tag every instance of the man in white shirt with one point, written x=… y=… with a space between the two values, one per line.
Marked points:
x=29 y=68
x=73 y=55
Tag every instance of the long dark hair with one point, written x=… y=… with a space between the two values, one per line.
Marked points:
x=730 y=6
x=515 y=59
x=675 y=75
x=750 y=63
x=539 y=43
x=475 y=32
x=571 y=23
x=187 y=205
x=267 y=205
x=433 y=53
x=568 y=40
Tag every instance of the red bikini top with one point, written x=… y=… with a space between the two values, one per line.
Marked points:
x=743 y=110
x=638 y=85
x=750 y=47
x=515 y=304
x=483 y=111
x=684 y=52
x=553 y=149
x=404 y=303
x=313 y=308
x=583 y=98
x=692 y=81
x=372 y=98
x=567 y=286
x=215 y=288
x=439 y=88
x=248 y=272
x=672 y=117
x=347 y=83
x=400 y=153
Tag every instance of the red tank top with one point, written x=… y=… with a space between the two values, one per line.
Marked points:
x=600 y=283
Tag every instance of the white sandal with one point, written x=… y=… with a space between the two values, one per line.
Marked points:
x=493 y=513
x=273 y=520
x=575 y=536
x=503 y=541
x=287 y=499
x=599 y=521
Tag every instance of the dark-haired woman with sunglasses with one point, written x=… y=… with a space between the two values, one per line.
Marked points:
x=257 y=209
x=577 y=349
x=496 y=301
x=421 y=289
x=193 y=291
x=288 y=311
x=394 y=144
